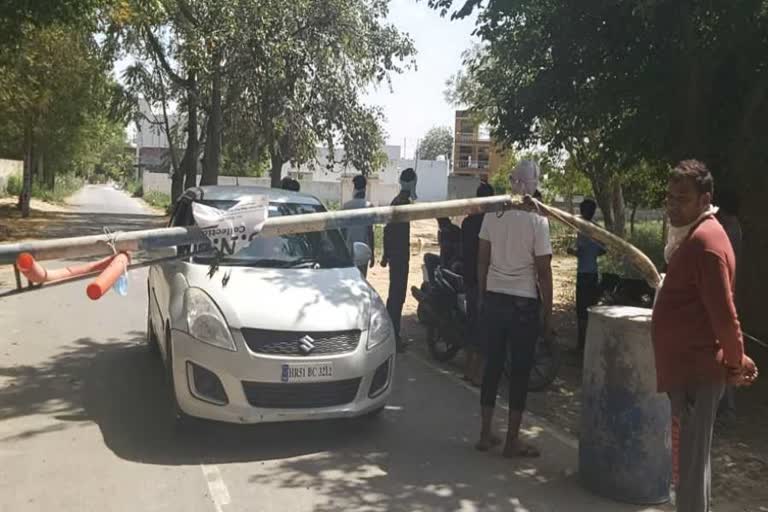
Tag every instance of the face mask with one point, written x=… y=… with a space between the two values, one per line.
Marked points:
x=409 y=186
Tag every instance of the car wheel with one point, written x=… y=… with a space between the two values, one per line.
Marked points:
x=152 y=341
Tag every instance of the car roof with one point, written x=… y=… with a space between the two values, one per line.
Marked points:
x=236 y=193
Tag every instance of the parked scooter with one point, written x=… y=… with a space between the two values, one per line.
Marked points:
x=443 y=310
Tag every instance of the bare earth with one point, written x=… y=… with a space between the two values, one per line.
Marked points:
x=740 y=454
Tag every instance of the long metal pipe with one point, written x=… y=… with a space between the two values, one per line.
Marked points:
x=149 y=239
x=131 y=241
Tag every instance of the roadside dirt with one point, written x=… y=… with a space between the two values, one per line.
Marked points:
x=740 y=451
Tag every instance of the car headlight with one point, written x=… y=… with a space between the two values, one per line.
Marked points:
x=380 y=326
x=204 y=320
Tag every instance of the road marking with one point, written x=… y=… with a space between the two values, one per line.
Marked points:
x=553 y=430
x=216 y=486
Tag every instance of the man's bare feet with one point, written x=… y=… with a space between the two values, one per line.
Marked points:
x=486 y=443
x=517 y=448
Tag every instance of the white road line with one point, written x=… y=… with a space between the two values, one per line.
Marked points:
x=216 y=486
x=553 y=430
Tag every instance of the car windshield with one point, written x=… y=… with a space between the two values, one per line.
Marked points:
x=324 y=249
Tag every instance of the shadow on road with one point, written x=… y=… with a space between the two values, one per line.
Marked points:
x=67 y=224
x=417 y=456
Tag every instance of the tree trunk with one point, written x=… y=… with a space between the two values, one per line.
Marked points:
x=603 y=200
x=632 y=220
x=619 y=211
x=26 y=187
x=213 y=142
x=752 y=272
x=189 y=162
x=276 y=170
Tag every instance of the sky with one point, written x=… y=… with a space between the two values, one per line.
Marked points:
x=416 y=101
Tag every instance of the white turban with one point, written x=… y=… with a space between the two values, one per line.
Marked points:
x=526 y=176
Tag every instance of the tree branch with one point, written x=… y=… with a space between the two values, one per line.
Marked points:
x=157 y=50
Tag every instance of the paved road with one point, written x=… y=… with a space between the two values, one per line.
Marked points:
x=85 y=424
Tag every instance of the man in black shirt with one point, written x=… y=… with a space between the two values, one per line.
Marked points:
x=449 y=240
x=470 y=231
x=397 y=254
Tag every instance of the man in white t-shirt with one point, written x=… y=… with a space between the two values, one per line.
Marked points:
x=515 y=289
x=362 y=234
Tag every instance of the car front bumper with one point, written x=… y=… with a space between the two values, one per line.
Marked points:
x=245 y=375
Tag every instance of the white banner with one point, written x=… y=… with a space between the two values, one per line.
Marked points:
x=231 y=231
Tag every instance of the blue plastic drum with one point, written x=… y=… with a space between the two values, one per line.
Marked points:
x=624 y=441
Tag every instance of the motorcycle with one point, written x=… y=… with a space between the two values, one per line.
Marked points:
x=443 y=310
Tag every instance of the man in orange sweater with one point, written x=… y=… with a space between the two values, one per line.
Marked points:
x=695 y=329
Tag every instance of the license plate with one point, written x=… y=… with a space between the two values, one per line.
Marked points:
x=307 y=372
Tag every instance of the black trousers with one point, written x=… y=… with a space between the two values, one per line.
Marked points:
x=512 y=325
x=587 y=295
x=398 y=284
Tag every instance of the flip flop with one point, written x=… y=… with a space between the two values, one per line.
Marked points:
x=484 y=447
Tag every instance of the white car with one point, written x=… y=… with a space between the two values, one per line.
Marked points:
x=286 y=329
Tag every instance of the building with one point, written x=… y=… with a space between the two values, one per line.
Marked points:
x=474 y=153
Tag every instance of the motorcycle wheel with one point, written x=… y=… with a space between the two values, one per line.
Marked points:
x=440 y=348
x=546 y=365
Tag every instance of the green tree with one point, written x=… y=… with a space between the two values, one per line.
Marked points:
x=437 y=141
x=658 y=81
x=644 y=187
x=302 y=66
x=46 y=107
x=566 y=181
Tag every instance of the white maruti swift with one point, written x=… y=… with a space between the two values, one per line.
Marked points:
x=286 y=329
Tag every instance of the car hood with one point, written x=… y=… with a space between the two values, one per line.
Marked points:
x=287 y=299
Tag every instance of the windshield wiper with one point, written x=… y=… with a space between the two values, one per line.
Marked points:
x=270 y=262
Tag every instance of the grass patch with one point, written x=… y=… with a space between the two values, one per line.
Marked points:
x=647 y=238
x=378 y=237
x=135 y=188
x=158 y=200
x=64 y=186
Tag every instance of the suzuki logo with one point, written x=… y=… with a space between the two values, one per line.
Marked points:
x=305 y=345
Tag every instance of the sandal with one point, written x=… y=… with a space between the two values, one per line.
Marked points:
x=485 y=445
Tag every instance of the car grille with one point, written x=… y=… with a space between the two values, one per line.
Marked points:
x=301 y=395
x=287 y=343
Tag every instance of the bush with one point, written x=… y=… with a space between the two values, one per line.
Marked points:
x=158 y=199
x=133 y=187
x=13 y=186
x=64 y=186
x=647 y=238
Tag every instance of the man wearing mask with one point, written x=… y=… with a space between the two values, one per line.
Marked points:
x=397 y=254
x=696 y=334
x=362 y=234
x=514 y=277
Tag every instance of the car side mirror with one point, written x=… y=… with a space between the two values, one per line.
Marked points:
x=361 y=254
